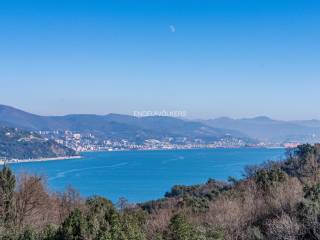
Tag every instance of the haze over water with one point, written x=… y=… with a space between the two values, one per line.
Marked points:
x=145 y=175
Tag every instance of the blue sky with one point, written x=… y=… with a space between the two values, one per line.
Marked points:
x=209 y=58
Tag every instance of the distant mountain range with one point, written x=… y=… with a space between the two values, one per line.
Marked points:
x=267 y=129
x=115 y=126
x=19 y=144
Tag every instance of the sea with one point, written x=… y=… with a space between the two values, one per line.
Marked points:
x=140 y=176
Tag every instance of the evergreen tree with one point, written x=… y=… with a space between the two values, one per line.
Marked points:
x=7 y=186
x=28 y=234
x=179 y=229
x=131 y=227
x=99 y=215
x=74 y=227
x=117 y=228
x=49 y=233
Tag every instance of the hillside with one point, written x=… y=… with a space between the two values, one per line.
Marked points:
x=118 y=127
x=18 y=144
x=266 y=129
x=276 y=200
x=115 y=126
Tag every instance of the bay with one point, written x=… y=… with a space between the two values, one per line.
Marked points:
x=145 y=175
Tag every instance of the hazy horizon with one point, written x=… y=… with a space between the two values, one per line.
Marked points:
x=215 y=58
x=154 y=113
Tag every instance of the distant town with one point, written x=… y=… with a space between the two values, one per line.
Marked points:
x=117 y=132
x=88 y=142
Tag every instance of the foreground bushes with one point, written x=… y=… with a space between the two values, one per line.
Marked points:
x=273 y=201
x=32 y=213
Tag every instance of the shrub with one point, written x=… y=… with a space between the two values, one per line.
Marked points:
x=283 y=228
x=74 y=227
x=267 y=179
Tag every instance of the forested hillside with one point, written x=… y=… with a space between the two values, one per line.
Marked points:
x=19 y=144
x=278 y=200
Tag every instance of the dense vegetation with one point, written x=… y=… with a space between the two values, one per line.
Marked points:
x=19 y=144
x=278 y=200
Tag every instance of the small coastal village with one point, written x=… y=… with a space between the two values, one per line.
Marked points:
x=80 y=142
x=88 y=142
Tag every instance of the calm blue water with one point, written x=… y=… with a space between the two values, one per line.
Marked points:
x=144 y=175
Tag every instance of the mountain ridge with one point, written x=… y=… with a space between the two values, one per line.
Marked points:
x=267 y=129
x=121 y=126
x=116 y=126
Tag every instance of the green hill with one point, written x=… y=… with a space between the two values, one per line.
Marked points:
x=19 y=144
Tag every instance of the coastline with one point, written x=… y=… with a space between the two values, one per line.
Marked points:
x=174 y=149
x=40 y=159
x=14 y=161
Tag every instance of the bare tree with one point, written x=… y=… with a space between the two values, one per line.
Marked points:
x=32 y=201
